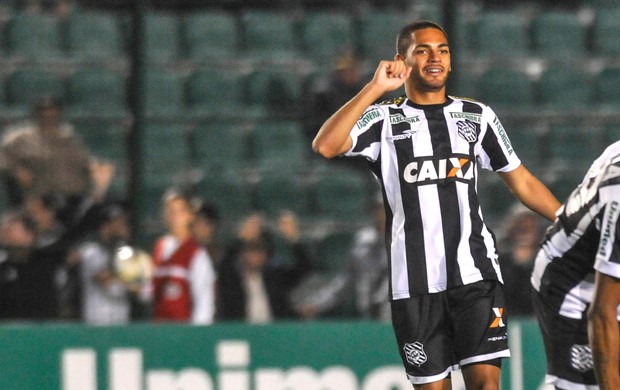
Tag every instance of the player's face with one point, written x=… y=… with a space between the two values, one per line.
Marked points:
x=429 y=56
x=178 y=215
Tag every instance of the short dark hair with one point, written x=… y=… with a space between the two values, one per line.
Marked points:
x=403 y=40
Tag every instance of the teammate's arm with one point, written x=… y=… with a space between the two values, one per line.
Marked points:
x=333 y=138
x=603 y=331
x=531 y=192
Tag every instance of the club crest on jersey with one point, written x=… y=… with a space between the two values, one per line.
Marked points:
x=581 y=357
x=430 y=171
x=467 y=131
x=414 y=352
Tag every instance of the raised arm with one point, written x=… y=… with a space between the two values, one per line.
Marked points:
x=531 y=192
x=333 y=138
x=603 y=331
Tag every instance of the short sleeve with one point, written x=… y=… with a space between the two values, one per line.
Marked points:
x=495 y=152
x=366 y=134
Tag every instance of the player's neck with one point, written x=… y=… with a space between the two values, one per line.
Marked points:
x=425 y=97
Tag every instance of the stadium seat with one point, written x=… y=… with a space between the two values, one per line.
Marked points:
x=215 y=91
x=100 y=93
x=508 y=31
x=572 y=145
x=165 y=150
x=277 y=90
x=327 y=34
x=277 y=192
x=163 y=93
x=342 y=194
x=334 y=251
x=231 y=194
x=279 y=145
x=219 y=147
x=106 y=138
x=377 y=35
x=605 y=31
x=563 y=87
x=502 y=87
x=25 y=87
x=94 y=36
x=35 y=37
x=557 y=33
x=162 y=37
x=268 y=34
x=211 y=35
x=608 y=87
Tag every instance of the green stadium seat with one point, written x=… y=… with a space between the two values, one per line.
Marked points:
x=162 y=37
x=500 y=34
x=211 y=35
x=94 y=92
x=605 y=32
x=275 y=193
x=377 y=34
x=334 y=251
x=217 y=91
x=503 y=87
x=326 y=34
x=94 y=36
x=571 y=147
x=342 y=194
x=219 y=147
x=557 y=33
x=25 y=87
x=564 y=87
x=268 y=34
x=608 y=87
x=107 y=139
x=279 y=146
x=34 y=37
x=277 y=90
x=165 y=148
x=163 y=93
x=231 y=194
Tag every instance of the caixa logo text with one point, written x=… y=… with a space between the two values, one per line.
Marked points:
x=429 y=171
x=126 y=372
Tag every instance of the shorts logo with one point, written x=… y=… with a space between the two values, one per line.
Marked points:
x=581 y=357
x=415 y=353
x=499 y=321
x=467 y=130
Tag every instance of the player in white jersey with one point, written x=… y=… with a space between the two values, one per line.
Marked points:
x=447 y=303
x=577 y=279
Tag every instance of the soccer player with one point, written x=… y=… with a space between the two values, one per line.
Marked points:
x=445 y=290
x=577 y=279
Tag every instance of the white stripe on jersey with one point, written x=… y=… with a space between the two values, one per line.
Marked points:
x=434 y=244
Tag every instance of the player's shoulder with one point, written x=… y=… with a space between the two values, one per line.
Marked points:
x=469 y=100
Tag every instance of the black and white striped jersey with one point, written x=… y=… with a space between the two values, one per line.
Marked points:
x=426 y=158
x=585 y=237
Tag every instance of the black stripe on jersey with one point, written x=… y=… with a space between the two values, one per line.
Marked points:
x=367 y=138
x=448 y=198
x=491 y=146
x=477 y=246
x=414 y=230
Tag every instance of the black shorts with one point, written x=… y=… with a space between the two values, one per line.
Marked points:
x=569 y=357
x=438 y=333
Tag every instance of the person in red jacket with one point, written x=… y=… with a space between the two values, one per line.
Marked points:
x=184 y=277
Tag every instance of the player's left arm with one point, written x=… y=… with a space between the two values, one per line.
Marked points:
x=531 y=192
x=603 y=331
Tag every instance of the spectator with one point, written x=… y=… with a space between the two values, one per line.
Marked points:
x=516 y=257
x=16 y=238
x=255 y=283
x=205 y=229
x=47 y=157
x=184 y=278
x=107 y=287
x=365 y=277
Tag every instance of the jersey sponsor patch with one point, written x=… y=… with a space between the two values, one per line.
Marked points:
x=430 y=171
x=368 y=117
x=608 y=230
